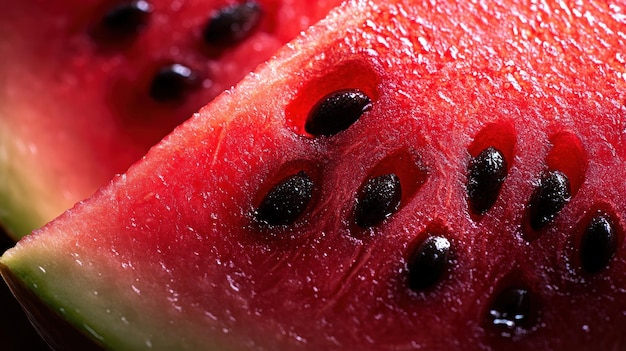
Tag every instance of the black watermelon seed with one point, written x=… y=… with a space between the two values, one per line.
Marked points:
x=232 y=24
x=548 y=199
x=286 y=201
x=336 y=112
x=485 y=176
x=378 y=199
x=173 y=82
x=428 y=263
x=126 y=19
x=598 y=243
x=511 y=309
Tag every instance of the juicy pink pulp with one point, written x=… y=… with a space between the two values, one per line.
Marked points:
x=183 y=236
x=75 y=107
x=75 y=103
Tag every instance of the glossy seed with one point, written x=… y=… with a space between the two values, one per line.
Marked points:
x=378 y=199
x=512 y=308
x=336 y=112
x=548 y=199
x=286 y=201
x=173 y=82
x=232 y=24
x=485 y=176
x=126 y=19
x=428 y=263
x=598 y=244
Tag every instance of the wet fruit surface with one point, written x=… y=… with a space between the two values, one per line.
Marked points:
x=87 y=87
x=423 y=269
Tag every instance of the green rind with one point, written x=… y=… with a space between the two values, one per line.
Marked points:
x=65 y=126
x=50 y=325
x=16 y=331
x=18 y=214
x=57 y=272
x=52 y=251
x=115 y=324
x=33 y=190
x=22 y=181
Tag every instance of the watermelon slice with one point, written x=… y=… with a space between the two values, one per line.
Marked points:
x=87 y=87
x=407 y=175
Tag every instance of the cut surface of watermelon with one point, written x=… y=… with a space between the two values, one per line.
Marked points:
x=86 y=87
x=264 y=224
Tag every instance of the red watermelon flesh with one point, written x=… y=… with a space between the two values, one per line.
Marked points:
x=79 y=95
x=406 y=175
